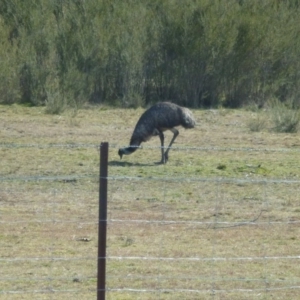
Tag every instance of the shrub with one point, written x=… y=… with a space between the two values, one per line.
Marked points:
x=258 y=123
x=285 y=119
x=55 y=104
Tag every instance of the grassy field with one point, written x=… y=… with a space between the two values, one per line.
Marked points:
x=221 y=220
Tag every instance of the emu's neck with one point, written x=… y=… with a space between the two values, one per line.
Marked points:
x=130 y=149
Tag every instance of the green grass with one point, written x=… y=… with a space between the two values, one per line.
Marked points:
x=189 y=219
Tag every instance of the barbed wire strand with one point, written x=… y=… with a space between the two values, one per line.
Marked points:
x=175 y=290
x=117 y=146
x=71 y=178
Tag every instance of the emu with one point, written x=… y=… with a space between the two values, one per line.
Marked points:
x=154 y=121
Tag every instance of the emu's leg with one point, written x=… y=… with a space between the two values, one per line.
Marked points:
x=176 y=132
x=162 y=138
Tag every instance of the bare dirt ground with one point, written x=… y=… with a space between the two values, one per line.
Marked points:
x=219 y=221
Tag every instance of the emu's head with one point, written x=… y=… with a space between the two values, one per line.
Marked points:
x=121 y=152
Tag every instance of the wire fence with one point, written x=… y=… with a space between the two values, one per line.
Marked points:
x=170 y=235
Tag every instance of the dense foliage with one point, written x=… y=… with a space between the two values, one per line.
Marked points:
x=198 y=53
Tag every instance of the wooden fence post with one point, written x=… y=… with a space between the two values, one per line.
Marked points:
x=102 y=225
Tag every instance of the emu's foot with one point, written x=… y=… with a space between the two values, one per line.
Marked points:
x=164 y=159
x=162 y=162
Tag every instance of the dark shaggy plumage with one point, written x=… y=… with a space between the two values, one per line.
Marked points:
x=154 y=121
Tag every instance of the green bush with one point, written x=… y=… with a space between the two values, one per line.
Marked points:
x=202 y=53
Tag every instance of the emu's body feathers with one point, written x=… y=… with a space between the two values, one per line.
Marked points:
x=154 y=121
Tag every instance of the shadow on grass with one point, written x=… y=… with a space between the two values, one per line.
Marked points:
x=129 y=164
